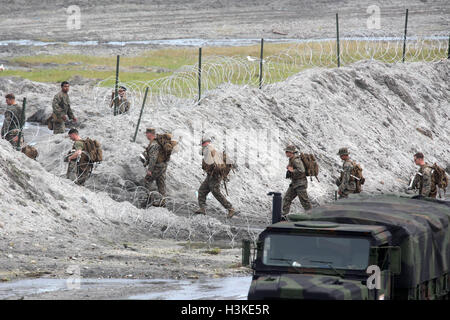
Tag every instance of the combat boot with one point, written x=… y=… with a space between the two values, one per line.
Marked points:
x=231 y=213
x=201 y=211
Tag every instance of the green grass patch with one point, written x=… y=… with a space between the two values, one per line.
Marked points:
x=281 y=61
x=213 y=251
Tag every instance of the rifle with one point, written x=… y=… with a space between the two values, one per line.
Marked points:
x=22 y=123
x=225 y=185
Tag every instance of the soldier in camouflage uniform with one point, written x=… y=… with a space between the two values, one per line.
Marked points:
x=346 y=182
x=297 y=173
x=61 y=109
x=212 y=182
x=156 y=169
x=79 y=168
x=11 y=123
x=123 y=104
x=424 y=178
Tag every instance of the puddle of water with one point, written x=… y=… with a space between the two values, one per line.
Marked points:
x=206 y=42
x=234 y=288
x=33 y=132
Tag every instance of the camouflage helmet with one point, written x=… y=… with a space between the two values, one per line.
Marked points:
x=290 y=148
x=343 y=152
x=150 y=130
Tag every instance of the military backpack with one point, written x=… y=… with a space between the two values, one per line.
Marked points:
x=30 y=151
x=93 y=150
x=357 y=176
x=311 y=166
x=167 y=146
x=439 y=177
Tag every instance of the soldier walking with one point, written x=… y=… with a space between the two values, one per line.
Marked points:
x=424 y=180
x=61 y=109
x=297 y=188
x=80 y=167
x=210 y=164
x=346 y=182
x=155 y=166
x=122 y=103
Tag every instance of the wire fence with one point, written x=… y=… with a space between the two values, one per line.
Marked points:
x=188 y=85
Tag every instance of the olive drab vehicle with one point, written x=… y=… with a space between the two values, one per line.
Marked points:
x=375 y=248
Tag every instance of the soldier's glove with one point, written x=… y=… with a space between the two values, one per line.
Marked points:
x=288 y=174
x=66 y=158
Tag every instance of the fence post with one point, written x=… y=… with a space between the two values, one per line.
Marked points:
x=245 y=252
x=22 y=123
x=199 y=74
x=116 y=94
x=140 y=115
x=261 y=57
x=337 y=42
x=448 y=55
x=404 y=37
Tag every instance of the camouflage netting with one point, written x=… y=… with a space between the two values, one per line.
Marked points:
x=419 y=227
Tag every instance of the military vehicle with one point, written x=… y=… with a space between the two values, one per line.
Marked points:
x=340 y=250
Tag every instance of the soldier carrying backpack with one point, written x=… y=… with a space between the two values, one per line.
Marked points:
x=429 y=178
x=155 y=158
x=82 y=157
x=297 y=171
x=351 y=179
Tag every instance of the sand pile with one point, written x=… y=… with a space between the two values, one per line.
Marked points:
x=384 y=113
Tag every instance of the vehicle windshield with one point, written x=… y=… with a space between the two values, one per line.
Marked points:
x=313 y=251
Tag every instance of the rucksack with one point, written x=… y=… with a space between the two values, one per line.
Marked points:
x=167 y=146
x=224 y=168
x=439 y=177
x=357 y=176
x=94 y=150
x=31 y=152
x=311 y=166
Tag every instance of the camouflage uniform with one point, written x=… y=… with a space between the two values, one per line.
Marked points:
x=11 y=122
x=211 y=183
x=123 y=105
x=346 y=183
x=299 y=184
x=158 y=169
x=79 y=170
x=425 y=181
x=61 y=107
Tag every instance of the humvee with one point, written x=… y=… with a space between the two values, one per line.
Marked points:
x=379 y=248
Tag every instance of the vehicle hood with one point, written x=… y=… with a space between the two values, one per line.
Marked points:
x=307 y=287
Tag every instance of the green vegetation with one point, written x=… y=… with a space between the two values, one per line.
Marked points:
x=213 y=251
x=220 y=64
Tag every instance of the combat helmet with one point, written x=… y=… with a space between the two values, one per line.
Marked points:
x=343 y=152
x=291 y=148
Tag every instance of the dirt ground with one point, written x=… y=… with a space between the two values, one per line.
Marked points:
x=106 y=21
x=134 y=254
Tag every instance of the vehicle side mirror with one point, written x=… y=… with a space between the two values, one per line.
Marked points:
x=395 y=260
